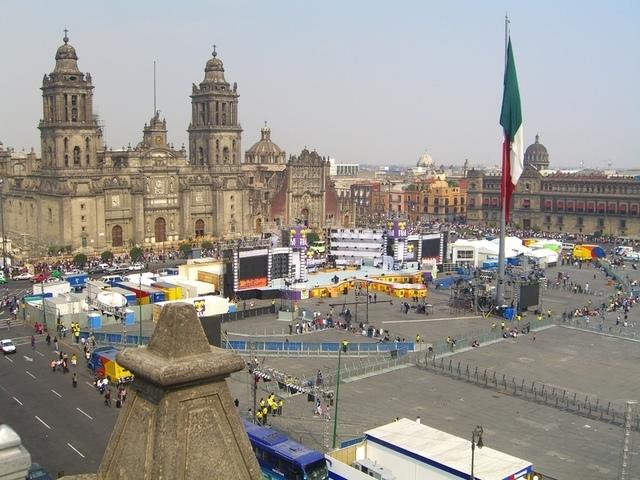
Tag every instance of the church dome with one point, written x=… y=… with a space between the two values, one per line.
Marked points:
x=214 y=70
x=265 y=150
x=537 y=155
x=425 y=161
x=66 y=57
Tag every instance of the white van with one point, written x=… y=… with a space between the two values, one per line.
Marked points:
x=622 y=250
x=111 y=279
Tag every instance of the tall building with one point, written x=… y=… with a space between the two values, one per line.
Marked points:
x=82 y=194
x=579 y=202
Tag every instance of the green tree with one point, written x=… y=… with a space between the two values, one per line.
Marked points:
x=106 y=256
x=136 y=253
x=206 y=245
x=80 y=260
x=185 y=248
x=312 y=237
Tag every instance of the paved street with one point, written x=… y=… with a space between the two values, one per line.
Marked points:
x=64 y=429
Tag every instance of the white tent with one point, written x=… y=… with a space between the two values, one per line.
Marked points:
x=473 y=252
x=544 y=256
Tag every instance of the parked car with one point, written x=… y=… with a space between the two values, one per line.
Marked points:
x=7 y=346
x=97 y=269
x=23 y=276
x=136 y=267
x=36 y=472
x=3 y=279
x=115 y=268
x=41 y=277
x=632 y=256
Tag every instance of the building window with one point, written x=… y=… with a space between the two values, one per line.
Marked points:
x=250 y=180
x=83 y=228
x=82 y=206
x=83 y=218
x=225 y=154
x=601 y=223
x=76 y=156
x=50 y=215
x=526 y=204
x=623 y=224
x=590 y=207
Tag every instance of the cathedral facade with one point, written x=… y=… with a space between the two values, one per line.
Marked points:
x=84 y=195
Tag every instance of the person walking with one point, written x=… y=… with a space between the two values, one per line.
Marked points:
x=53 y=366
x=33 y=342
x=107 y=398
x=74 y=380
x=48 y=340
x=74 y=360
x=55 y=343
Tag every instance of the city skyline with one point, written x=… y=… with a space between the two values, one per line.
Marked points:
x=349 y=82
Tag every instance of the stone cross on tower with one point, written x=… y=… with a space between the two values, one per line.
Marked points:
x=179 y=422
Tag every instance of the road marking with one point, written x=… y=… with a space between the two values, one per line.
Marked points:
x=42 y=422
x=30 y=374
x=75 y=449
x=39 y=353
x=56 y=393
x=90 y=384
x=9 y=359
x=28 y=359
x=19 y=402
x=84 y=413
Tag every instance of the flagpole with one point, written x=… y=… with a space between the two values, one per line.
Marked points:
x=503 y=203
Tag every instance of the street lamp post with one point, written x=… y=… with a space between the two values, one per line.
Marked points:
x=344 y=346
x=4 y=241
x=140 y=308
x=476 y=439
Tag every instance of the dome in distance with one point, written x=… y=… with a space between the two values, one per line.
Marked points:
x=537 y=155
x=425 y=161
x=265 y=151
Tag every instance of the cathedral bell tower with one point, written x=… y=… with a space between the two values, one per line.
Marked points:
x=214 y=132
x=69 y=133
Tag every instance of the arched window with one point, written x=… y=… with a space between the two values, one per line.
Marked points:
x=76 y=156
x=199 y=228
x=201 y=155
x=217 y=144
x=160 y=228
x=66 y=160
x=66 y=144
x=225 y=154
x=116 y=236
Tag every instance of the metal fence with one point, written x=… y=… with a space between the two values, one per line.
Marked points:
x=319 y=349
x=552 y=396
x=598 y=326
x=248 y=313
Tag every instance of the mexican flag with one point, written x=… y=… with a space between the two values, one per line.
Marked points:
x=511 y=121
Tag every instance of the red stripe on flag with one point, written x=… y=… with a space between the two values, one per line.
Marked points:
x=506 y=185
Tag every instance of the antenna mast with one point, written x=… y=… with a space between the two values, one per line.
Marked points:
x=155 y=109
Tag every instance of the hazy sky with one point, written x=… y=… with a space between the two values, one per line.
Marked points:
x=362 y=81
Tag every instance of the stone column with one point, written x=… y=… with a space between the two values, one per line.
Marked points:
x=179 y=421
x=14 y=458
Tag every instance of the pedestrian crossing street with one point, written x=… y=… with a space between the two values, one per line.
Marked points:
x=7 y=323
x=25 y=340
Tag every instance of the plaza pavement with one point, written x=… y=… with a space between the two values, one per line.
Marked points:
x=559 y=444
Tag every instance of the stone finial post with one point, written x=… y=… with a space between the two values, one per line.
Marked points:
x=14 y=458
x=179 y=420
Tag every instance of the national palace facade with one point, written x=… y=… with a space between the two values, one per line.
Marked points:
x=555 y=201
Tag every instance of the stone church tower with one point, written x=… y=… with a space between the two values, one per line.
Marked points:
x=70 y=135
x=214 y=145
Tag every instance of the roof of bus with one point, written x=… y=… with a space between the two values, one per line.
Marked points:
x=280 y=444
x=295 y=452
